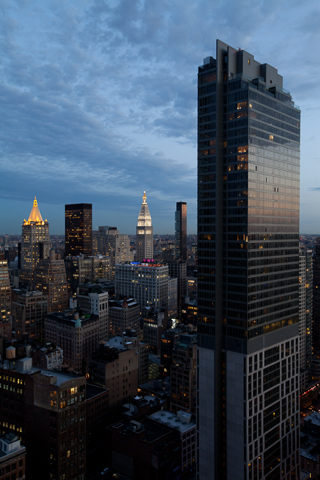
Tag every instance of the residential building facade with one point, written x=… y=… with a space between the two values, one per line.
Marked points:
x=117 y=370
x=93 y=299
x=29 y=309
x=47 y=412
x=123 y=315
x=77 y=336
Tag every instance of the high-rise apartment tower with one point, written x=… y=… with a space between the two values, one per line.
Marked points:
x=248 y=271
x=181 y=231
x=78 y=229
x=144 y=231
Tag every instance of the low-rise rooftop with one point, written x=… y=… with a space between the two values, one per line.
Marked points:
x=182 y=421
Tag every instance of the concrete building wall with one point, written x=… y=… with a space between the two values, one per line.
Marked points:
x=121 y=377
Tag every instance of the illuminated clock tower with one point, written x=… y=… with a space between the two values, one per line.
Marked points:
x=144 y=231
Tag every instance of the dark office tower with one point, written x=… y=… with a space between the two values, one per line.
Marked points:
x=181 y=231
x=144 y=231
x=248 y=271
x=78 y=229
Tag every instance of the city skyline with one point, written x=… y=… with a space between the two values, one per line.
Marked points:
x=99 y=102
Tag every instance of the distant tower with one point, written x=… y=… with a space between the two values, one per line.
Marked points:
x=178 y=267
x=181 y=231
x=113 y=244
x=123 y=253
x=144 y=232
x=35 y=242
x=78 y=229
x=106 y=240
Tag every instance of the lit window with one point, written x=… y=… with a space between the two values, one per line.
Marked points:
x=241 y=105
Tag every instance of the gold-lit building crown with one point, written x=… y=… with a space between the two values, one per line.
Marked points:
x=35 y=215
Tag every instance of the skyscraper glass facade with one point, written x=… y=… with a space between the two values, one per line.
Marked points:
x=181 y=231
x=78 y=229
x=248 y=269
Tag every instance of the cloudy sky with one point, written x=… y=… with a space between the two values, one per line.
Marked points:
x=98 y=101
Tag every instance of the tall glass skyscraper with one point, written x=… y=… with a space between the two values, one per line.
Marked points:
x=248 y=272
x=78 y=229
x=181 y=231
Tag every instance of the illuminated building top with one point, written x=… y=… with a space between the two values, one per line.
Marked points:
x=144 y=232
x=144 y=219
x=35 y=241
x=35 y=215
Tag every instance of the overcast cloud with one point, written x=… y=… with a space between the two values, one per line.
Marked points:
x=98 y=101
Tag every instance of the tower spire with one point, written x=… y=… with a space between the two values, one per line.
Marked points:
x=144 y=198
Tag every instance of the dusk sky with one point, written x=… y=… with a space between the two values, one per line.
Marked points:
x=98 y=101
